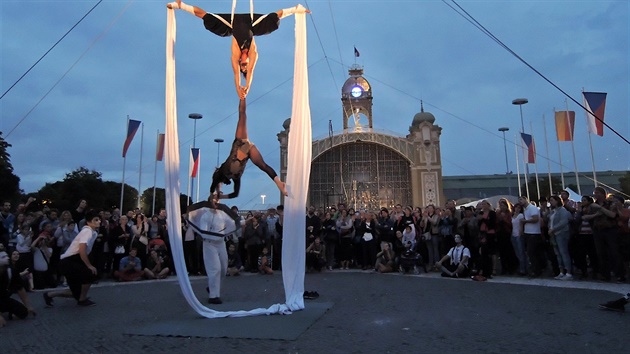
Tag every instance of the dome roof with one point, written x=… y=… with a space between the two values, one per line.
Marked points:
x=422 y=116
x=355 y=81
x=286 y=124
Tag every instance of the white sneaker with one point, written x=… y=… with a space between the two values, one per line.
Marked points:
x=568 y=276
x=559 y=276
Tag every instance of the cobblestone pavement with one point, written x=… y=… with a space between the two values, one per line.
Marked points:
x=386 y=313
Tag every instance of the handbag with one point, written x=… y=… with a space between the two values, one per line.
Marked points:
x=426 y=236
x=144 y=240
x=120 y=249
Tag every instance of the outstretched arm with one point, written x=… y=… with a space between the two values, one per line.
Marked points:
x=236 y=55
x=237 y=188
x=253 y=58
x=199 y=12
x=292 y=10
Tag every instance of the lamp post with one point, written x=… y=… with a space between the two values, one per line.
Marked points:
x=263 y=196
x=507 y=167
x=218 y=141
x=195 y=117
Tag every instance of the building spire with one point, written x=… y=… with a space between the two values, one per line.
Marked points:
x=421 y=107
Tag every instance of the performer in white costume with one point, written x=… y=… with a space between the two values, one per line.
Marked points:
x=214 y=222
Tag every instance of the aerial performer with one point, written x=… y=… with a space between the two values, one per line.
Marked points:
x=242 y=28
x=234 y=166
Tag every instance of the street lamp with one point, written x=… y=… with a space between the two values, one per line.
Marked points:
x=195 y=117
x=507 y=167
x=218 y=141
x=262 y=196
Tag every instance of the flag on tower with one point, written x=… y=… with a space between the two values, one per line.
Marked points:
x=194 y=166
x=531 y=147
x=356 y=53
x=595 y=102
x=565 y=121
x=159 y=154
x=132 y=128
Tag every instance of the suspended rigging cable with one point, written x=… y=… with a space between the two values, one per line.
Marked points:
x=111 y=24
x=479 y=26
x=51 y=48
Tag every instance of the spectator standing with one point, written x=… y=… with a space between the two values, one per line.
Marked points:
x=345 y=227
x=603 y=215
x=532 y=233
x=429 y=227
x=518 y=239
x=331 y=239
x=505 y=250
x=487 y=239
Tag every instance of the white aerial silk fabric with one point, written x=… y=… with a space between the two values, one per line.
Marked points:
x=299 y=161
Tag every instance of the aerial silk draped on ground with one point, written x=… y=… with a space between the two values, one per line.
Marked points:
x=299 y=165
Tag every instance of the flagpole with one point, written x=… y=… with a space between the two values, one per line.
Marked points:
x=548 y=160
x=531 y=128
x=525 y=165
x=590 y=143
x=518 y=172
x=570 y=124
x=559 y=155
x=140 y=166
x=198 y=175
x=157 y=147
x=122 y=186
x=188 y=179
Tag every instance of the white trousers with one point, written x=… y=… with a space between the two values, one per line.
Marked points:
x=215 y=259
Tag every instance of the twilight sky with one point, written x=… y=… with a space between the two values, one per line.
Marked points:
x=71 y=109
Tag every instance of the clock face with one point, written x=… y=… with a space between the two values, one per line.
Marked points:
x=356 y=91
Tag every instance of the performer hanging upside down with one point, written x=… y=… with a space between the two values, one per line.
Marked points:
x=233 y=167
x=242 y=28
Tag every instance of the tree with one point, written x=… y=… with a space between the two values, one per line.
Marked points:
x=85 y=184
x=146 y=201
x=10 y=183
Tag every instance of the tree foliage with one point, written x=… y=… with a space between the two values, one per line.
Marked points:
x=87 y=184
x=146 y=201
x=9 y=182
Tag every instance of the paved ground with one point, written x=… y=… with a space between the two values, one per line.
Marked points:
x=386 y=313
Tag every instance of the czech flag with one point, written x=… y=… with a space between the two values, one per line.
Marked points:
x=132 y=128
x=565 y=121
x=595 y=102
x=531 y=147
x=159 y=151
x=194 y=158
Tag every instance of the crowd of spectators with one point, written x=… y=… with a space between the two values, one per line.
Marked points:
x=554 y=237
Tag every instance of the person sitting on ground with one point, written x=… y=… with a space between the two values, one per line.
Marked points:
x=264 y=262
x=130 y=268
x=156 y=269
x=458 y=256
x=234 y=264
x=385 y=259
x=11 y=283
x=234 y=166
x=315 y=255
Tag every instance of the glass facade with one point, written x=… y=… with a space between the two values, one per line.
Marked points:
x=364 y=175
